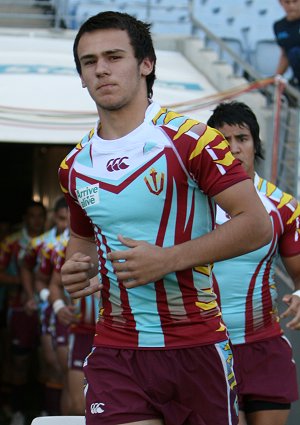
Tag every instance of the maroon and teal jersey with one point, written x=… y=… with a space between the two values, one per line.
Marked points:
x=155 y=184
x=32 y=256
x=13 y=249
x=50 y=250
x=246 y=286
x=12 y=253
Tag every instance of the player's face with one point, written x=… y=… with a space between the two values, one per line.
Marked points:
x=61 y=219
x=241 y=145
x=109 y=69
x=291 y=8
x=35 y=220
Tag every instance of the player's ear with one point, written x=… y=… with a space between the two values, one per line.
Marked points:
x=146 y=67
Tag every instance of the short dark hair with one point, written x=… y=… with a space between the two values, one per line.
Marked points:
x=60 y=203
x=35 y=204
x=237 y=113
x=138 y=32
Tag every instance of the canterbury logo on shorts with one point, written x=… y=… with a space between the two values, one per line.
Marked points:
x=96 y=408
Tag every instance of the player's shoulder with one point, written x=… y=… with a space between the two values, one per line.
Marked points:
x=13 y=237
x=78 y=148
x=279 y=197
x=182 y=125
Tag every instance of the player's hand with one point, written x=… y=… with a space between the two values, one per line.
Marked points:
x=293 y=302
x=75 y=276
x=30 y=306
x=66 y=315
x=141 y=263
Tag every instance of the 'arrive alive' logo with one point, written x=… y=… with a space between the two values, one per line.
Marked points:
x=88 y=195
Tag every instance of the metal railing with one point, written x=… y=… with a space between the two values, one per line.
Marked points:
x=57 y=14
x=287 y=160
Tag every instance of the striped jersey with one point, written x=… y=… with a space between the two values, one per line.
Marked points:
x=245 y=284
x=32 y=257
x=155 y=184
x=49 y=250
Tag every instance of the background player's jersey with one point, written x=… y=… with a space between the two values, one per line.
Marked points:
x=13 y=249
x=12 y=252
x=49 y=251
x=246 y=285
x=32 y=256
x=145 y=186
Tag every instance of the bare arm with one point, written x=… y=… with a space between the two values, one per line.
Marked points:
x=81 y=265
x=63 y=310
x=292 y=265
x=249 y=229
x=283 y=63
x=27 y=279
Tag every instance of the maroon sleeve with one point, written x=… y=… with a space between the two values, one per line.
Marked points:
x=79 y=222
x=289 y=242
x=209 y=162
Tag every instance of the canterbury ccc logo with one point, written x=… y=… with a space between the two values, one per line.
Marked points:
x=96 y=408
x=116 y=164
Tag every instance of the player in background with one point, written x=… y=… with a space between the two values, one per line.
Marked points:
x=35 y=273
x=247 y=289
x=23 y=328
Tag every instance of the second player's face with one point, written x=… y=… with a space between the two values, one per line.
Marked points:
x=291 y=8
x=109 y=69
x=35 y=220
x=61 y=219
x=241 y=145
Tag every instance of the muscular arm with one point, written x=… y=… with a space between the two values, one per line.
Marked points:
x=27 y=278
x=292 y=265
x=249 y=229
x=283 y=63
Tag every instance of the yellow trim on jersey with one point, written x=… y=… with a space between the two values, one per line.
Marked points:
x=285 y=199
x=185 y=127
x=63 y=189
x=203 y=141
x=221 y=328
x=161 y=112
x=206 y=306
x=91 y=133
x=206 y=270
x=295 y=215
x=270 y=188
x=64 y=165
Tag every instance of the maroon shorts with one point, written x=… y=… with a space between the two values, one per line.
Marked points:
x=24 y=328
x=80 y=346
x=47 y=319
x=190 y=385
x=61 y=334
x=258 y=367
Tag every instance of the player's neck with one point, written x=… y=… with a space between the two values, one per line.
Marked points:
x=119 y=123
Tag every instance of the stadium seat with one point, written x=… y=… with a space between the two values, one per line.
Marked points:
x=59 y=420
x=265 y=57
